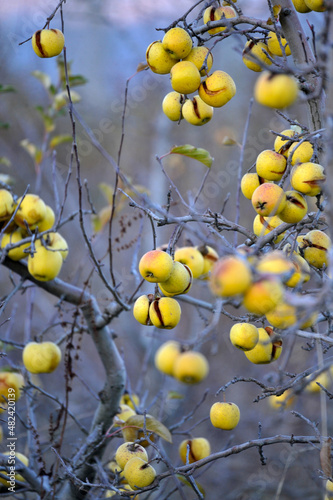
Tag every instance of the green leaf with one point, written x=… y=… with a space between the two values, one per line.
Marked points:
x=152 y=425
x=175 y=395
x=32 y=150
x=5 y=161
x=228 y=141
x=4 y=125
x=43 y=78
x=7 y=88
x=48 y=120
x=185 y=481
x=199 y=154
x=75 y=80
x=60 y=139
x=96 y=223
x=6 y=179
x=107 y=190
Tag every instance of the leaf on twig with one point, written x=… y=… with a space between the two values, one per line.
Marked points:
x=6 y=179
x=107 y=190
x=152 y=425
x=47 y=119
x=60 y=139
x=7 y=88
x=5 y=161
x=43 y=78
x=35 y=153
x=175 y=395
x=141 y=67
x=75 y=80
x=199 y=154
x=276 y=13
x=325 y=457
x=183 y=480
x=228 y=141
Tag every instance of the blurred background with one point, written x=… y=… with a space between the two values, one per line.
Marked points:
x=105 y=42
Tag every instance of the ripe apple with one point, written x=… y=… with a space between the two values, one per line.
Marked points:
x=141 y=309
x=179 y=281
x=41 y=357
x=196 y=111
x=276 y=90
x=268 y=348
x=7 y=204
x=282 y=145
x=32 y=210
x=177 y=43
x=268 y=199
x=244 y=336
x=314 y=248
x=263 y=295
x=185 y=77
x=210 y=256
x=13 y=238
x=316 y=5
x=230 y=276
x=45 y=264
x=191 y=257
x=249 y=183
x=254 y=56
x=166 y=356
x=158 y=59
x=282 y=402
x=192 y=450
x=217 y=89
x=271 y=165
x=202 y=58
x=301 y=6
x=128 y=450
x=172 y=106
x=295 y=208
x=155 y=266
x=48 y=42
x=165 y=312
x=274 y=45
x=190 y=367
x=300 y=152
x=139 y=473
x=264 y=225
x=10 y=383
x=18 y=477
x=308 y=178
x=224 y=415
x=217 y=13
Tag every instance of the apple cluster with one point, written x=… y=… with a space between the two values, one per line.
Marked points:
x=186 y=366
x=304 y=6
x=272 y=89
x=132 y=465
x=260 y=345
x=174 y=277
x=261 y=283
x=274 y=205
x=187 y=65
x=19 y=218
